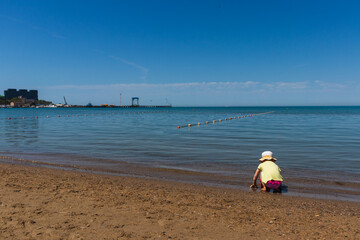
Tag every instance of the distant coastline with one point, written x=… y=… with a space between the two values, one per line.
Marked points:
x=85 y=106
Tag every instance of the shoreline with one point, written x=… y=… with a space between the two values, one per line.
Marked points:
x=38 y=202
x=316 y=184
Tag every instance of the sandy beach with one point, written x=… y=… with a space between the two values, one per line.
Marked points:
x=43 y=203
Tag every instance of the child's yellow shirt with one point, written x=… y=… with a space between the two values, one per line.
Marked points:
x=269 y=171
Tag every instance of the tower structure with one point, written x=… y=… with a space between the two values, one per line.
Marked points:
x=135 y=102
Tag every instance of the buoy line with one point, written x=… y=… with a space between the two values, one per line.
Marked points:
x=220 y=120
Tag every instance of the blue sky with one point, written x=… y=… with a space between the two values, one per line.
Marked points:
x=188 y=53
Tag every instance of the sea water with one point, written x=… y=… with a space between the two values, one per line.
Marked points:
x=309 y=142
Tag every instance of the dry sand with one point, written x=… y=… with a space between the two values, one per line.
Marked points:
x=41 y=203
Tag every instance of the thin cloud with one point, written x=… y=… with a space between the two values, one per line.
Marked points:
x=55 y=35
x=247 y=84
x=286 y=85
x=234 y=85
x=292 y=85
x=329 y=85
x=142 y=69
x=34 y=27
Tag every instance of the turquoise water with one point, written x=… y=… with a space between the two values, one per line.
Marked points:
x=313 y=142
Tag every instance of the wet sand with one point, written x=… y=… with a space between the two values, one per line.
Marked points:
x=43 y=203
x=305 y=183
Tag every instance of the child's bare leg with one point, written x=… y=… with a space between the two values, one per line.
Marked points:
x=263 y=187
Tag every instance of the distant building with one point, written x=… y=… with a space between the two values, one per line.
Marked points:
x=22 y=93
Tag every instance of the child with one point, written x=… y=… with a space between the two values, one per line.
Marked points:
x=269 y=172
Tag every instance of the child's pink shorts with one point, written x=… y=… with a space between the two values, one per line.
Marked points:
x=272 y=184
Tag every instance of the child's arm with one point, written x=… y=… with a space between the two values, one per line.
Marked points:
x=256 y=175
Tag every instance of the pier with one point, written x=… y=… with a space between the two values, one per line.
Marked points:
x=127 y=106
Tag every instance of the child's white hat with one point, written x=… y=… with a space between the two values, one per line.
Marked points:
x=267 y=155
